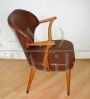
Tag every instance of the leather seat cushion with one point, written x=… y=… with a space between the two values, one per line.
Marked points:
x=61 y=56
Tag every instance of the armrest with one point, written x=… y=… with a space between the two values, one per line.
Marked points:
x=50 y=26
x=49 y=19
x=44 y=43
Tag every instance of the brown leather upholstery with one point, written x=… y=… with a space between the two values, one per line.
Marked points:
x=61 y=55
x=23 y=22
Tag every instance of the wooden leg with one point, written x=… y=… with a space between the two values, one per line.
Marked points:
x=30 y=79
x=68 y=74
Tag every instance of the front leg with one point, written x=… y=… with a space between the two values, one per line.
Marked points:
x=30 y=78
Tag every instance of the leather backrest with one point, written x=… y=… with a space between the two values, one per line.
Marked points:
x=23 y=23
x=24 y=20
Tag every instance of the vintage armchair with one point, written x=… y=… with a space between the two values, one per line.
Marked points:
x=48 y=55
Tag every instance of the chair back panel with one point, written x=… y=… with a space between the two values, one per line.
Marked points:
x=24 y=24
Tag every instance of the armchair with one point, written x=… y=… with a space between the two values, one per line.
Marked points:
x=53 y=54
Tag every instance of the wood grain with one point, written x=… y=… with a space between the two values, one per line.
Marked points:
x=32 y=73
x=44 y=43
x=48 y=19
x=47 y=85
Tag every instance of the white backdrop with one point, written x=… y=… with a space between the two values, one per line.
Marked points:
x=73 y=17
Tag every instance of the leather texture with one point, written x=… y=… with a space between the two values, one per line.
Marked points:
x=23 y=23
x=61 y=55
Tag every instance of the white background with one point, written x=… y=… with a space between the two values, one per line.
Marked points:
x=73 y=17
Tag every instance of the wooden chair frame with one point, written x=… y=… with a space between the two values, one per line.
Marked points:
x=47 y=44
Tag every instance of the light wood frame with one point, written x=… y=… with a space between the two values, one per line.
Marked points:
x=48 y=44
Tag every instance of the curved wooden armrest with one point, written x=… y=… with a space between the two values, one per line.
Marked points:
x=49 y=19
x=50 y=26
x=44 y=43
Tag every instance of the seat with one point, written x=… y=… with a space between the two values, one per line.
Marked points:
x=51 y=55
